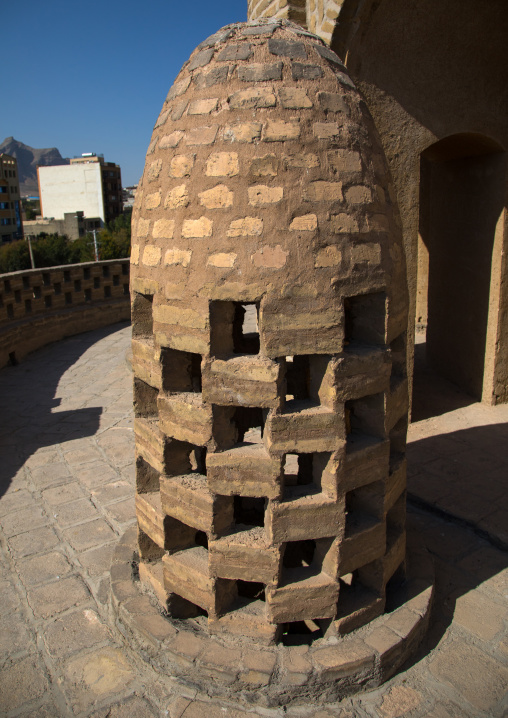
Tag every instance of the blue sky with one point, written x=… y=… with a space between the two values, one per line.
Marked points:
x=92 y=76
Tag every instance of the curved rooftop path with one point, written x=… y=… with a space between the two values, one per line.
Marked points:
x=66 y=485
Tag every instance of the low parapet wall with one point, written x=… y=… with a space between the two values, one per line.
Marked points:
x=40 y=306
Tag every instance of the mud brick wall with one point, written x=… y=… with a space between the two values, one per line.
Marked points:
x=269 y=311
x=40 y=306
x=318 y=16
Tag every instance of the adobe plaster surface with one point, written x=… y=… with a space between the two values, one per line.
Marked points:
x=68 y=486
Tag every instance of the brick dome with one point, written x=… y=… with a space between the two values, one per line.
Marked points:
x=269 y=319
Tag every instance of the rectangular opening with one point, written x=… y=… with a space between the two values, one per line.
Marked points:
x=181 y=457
x=365 y=319
x=307 y=381
x=48 y=301
x=17 y=295
x=67 y=275
x=107 y=292
x=300 y=633
x=249 y=422
x=28 y=306
x=303 y=559
x=396 y=521
x=234 y=328
x=181 y=371
x=96 y=282
x=46 y=279
x=10 y=311
x=88 y=295
x=37 y=292
x=116 y=280
x=86 y=273
x=1 y=300
x=77 y=285
x=398 y=354
x=142 y=317
x=105 y=272
x=148 y=549
x=58 y=288
x=250 y=590
x=305 y=474
x=26 y=282
x=398 y=440
x=145 y=399
x=356 y=594
x=7 y=286
x=364 y=508
x=365 y=418
x=126 y=289
x=68 y=298
x=248 y=511
x=125 y=269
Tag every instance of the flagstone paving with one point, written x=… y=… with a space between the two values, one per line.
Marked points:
x=66 y=496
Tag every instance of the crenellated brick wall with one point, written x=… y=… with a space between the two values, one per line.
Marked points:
x=318 y=16
x=40 y=306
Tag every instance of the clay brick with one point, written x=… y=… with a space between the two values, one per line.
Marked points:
x=203 y=107
x=163 y=229
x=328 y=257
x=310 y=517
x=177 y=256
x=256 y=30
x=304 y=431
x=202 y=135
x=252 y=98
x=320 y=191
x=177 y=197
x=358 y=195
x=152 y=201
x=197 y=228
x=142 y=227
x=243 y=132
x=246 y=227
x=236 y=52
x=200 y=59
x=150 y=442
x=217 y=38
x=222 y=164
x=265 y=166
x=151 y=255
x=302 y=161
x=259 y=72
x=153 y=170
x=134 y=254
x=279 y=131
x=222 y=260
x=178 y=89
x=188 y=499
x=178 y=110
x=366 y=544
x=305 y=223
x=245 y=555
x=216 y=198
x=369 y=253
x=249 y=620
x=185 y=417
x=329 y=55
x=260 y=195
x=181 y=165
x=186 y=317
x=161 y=120
x=217 y=76
x=343 y=223
x=296 y=665
x=285 y=48
x=270 y=257
x=294 y=98
x=326 y=130
x=332 y=102
x=300 y=71
x=152 y=573
x=344 y=160
x=172 y=140
x=343 y=660
x=367 y=463
x=311 y=598
x=151 y=517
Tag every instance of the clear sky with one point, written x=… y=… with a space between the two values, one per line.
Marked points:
x=92 y=76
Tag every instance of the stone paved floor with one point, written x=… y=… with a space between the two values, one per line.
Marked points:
x=66 y=486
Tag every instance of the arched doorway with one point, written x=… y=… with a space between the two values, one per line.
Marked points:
x=462 y=193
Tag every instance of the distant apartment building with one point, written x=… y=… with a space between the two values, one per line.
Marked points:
x=88 y=184
x=10 y=207
x=74 y=225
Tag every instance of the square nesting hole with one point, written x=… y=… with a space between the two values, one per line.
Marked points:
x=181 y=457
x=364 y=418
x=365 y=319
x=364 y=507
x=303 y=559
x=234 y=328
x=181 y=371
x=306 y=474
x=238 y=424
x=308 y=381
x=248 y=511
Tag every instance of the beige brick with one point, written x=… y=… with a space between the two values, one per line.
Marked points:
x=203 y=107
x=305 y=223
x=142 y=227
x=172 y=140
x=294 y=98
x=246 y=227
x=222 y=259
x=178 y=88
x=216 y=198
x=370 y=253
x=182 y=317
x=344 y=160
x=332 y=102
x=135 y=254
x=152 y=201
x=328 y=257
x=265 y=166
x=174 y=290
x=260 y=195
x=270 y=257
x=252 y=98
x=243 y=132
x=151 y=146
x=154 y=169
x=343 y=223
x=164 y=229
x=181 y=165
x=202 y=135
x=177 y=256
x=196 y=228
x=222 y=164
x=279 y=131
x=177 y=197
x=151 y=255
x=326 y=130
x=358 y=195
x=323 y=191
x=302 y=161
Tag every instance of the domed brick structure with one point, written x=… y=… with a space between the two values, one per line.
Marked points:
x=269 y=314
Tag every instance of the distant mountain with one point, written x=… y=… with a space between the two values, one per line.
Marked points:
x=28 y=159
